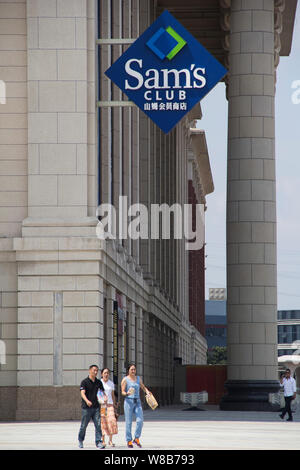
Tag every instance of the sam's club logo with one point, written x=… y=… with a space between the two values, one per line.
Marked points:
x=166 y=72
x=166 y=43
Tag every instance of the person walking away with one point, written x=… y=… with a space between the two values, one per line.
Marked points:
x=90 y=408
x=109 y=425
x=130 y=387
x=289 y=387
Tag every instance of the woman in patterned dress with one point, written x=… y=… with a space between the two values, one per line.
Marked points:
x=109 y=425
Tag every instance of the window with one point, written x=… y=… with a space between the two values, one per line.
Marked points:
x=216 y=331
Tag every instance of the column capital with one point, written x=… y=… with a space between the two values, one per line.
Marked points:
x=229 y=7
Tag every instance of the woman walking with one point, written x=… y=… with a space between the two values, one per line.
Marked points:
x=130 y=387
x=109 y=425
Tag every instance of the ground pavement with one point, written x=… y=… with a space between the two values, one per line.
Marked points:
x=167 y=428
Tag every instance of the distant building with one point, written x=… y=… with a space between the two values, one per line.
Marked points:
x=216 y=327
x=215 y=323
x=288 y=331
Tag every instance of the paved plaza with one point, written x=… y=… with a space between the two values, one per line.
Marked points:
x=167 y=428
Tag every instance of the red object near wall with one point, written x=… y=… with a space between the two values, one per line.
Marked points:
x=207 y=378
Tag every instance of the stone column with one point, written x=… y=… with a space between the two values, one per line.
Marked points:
x=111 y=296
x=251 y=209
x=139 y=340
x=145 y=345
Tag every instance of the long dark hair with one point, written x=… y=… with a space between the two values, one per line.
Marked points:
x=128 y=367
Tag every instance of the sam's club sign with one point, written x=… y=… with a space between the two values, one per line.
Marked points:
x=166 y=72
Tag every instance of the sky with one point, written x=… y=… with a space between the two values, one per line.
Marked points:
x=287 y=128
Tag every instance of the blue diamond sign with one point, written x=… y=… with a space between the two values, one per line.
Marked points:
x=166 y=71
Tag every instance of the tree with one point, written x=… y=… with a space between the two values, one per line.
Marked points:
x=217 y=355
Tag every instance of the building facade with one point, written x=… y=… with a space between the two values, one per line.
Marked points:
x=69 y=144
x=69 y=299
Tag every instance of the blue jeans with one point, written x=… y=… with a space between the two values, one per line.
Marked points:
x=133 y=406
x=86 y=415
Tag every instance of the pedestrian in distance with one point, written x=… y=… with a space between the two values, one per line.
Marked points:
x=289 y=388
x=130 y=388
x=90 y=408
x=109 y=425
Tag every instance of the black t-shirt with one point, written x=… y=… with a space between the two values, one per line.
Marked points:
x=91 y=388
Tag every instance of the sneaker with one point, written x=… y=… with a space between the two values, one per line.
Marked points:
x=100 y=445
x=137 y=442
x=80 y=445
x=280 y=416
x=129 y=444
x=290 y=419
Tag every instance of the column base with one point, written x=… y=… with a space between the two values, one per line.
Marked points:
x=48 y=403
x=8 y=403
x=249 y=395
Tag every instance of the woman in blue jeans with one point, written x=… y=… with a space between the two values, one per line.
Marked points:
x=130 y=388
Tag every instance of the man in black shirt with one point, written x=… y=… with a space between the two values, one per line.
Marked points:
x=90 y=407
